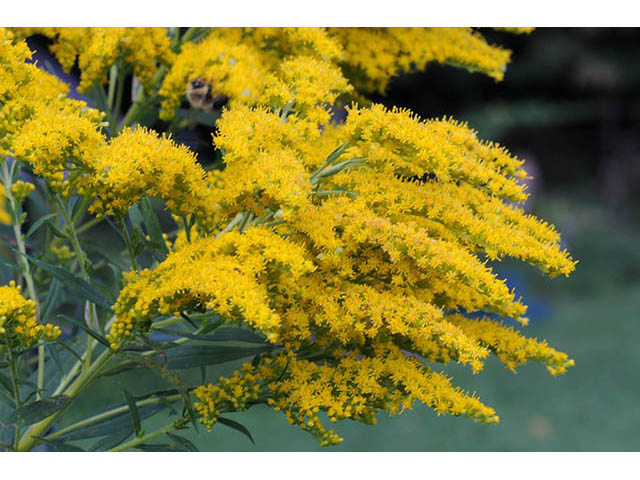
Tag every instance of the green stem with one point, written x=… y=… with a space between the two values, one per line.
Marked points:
x=82 y=259
x=28 y=440
x=138 y=441
x=41 y=360
x=111 y=413
x=74 y=237
x=86 y=226
x=16 y=210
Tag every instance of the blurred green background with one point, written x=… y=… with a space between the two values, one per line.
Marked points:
x=570 y=106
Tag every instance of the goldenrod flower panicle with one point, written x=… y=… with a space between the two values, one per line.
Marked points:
x=60 y=141
x=306 y=86
x=287 y=41
x=352 y=387
x=234 y=275
x=97 y=49
x=374 y=55
x=137 y=163
x=510 y=346
x=19 y=327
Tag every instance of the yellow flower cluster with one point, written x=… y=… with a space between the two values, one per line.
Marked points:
x=237 y=62
x=62 y=141
x=374 y=55
x=137 y=163
x=231 y=394
x=349 y=387
x=21 y=190
x=234 y=275
x=98 y=48
x=18 y=324
x=511 y=347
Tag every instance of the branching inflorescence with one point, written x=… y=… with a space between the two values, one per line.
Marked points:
x=358 y=250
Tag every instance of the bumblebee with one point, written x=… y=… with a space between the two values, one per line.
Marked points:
x=200 y=96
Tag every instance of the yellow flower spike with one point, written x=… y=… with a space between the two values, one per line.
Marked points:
x=22 y=190
x=374 y=55
x=98 y=48
x=18 y=320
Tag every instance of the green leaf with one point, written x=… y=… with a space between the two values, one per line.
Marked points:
x=59 y=445
x=333 y=156
x=133 y=410
x=196 y=355
x=54 y=229
x=161 y=447
x=34 y=412
x=6 y=400
x=69 y=349
x=136 y=216
x=78 y=285
x=221 y=335
x=182 y=443
x=38 y=223
x=153 y=225
x=52 y=299
x=111 y=441
x=83 y=326
x=236 y=426
x=6 y=383
x=56 y=358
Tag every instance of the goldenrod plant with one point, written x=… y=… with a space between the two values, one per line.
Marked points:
x=344 y=262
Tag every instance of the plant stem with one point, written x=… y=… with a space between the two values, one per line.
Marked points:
x=28 y=440
x=16 y=213
x=82 y=259
x=111 y=413
x=86 y=226
x=138 y=441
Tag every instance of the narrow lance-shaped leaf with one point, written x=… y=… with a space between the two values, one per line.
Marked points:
x=78 y=285
x=153 y=225
x=38 y=223
x=182 y=443
x=51 y=299
x=133 y=410
x=60 y=446
x=34 y=412
x=196 y=355
x=236 y=426
x=84 y=327
x=111 y=441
